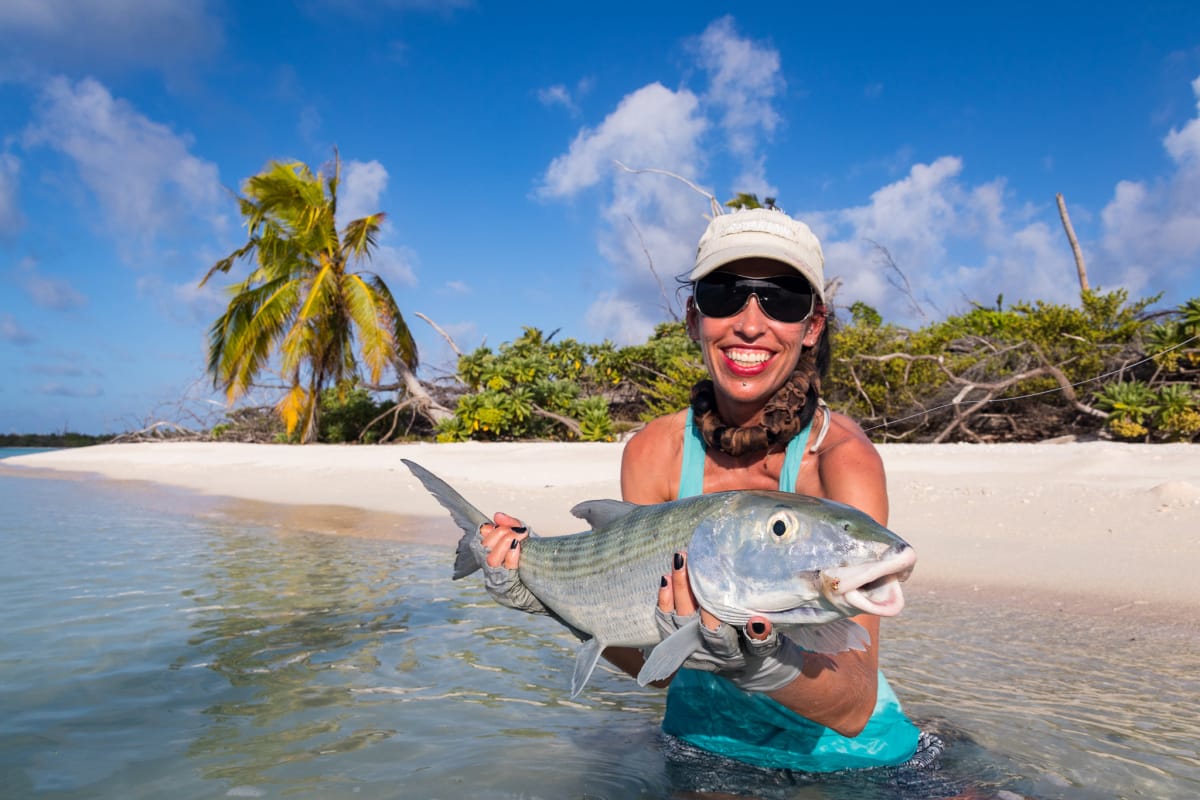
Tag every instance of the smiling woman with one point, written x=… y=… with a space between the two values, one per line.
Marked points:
x=760 y=316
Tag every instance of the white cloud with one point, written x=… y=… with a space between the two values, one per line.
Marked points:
x=653 y=126
x=624 y=321
x=1151 y=235
x=648 y=217
x=652 y=219
x=70 y=390
x=11 y=218
x=47 y=292
x=12 y=332
x=363 y=183
x=1184 y=144
x=395 y=264
x=952 y=243
x=744 y=85
x=142 y=174
x=557 y=95
x=52 y=35
x=744 y=82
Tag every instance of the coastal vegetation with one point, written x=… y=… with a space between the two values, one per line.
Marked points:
x=1027 y=371
x=64 y=439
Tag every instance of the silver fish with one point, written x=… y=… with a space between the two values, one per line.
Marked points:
x=804 y=563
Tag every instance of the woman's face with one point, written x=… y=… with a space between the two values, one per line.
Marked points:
x=750 y=355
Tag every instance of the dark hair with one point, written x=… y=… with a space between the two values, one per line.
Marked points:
x=824 y=345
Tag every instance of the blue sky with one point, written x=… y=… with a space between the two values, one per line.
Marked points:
x=488 y=132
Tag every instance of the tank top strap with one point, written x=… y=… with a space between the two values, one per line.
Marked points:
x=691 y=470
x=793 y=457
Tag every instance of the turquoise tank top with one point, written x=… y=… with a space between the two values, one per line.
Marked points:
x=711 y=713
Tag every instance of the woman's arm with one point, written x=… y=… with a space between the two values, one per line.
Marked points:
x=838 y=691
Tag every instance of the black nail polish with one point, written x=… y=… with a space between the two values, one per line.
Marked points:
x=679 y=561
x=663 y=581
x=758 y=627
x=520 y=529
x=514 y=544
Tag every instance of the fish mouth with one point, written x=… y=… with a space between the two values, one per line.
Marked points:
x=871 y=588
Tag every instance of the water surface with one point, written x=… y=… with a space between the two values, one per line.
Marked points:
x=152 y=645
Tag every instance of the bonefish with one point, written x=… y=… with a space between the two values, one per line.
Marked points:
x=804 y=563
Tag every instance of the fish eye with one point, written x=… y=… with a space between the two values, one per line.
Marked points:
x=782 y=524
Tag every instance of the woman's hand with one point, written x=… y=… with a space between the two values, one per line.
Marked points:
x=757 y=660
x=501 y=541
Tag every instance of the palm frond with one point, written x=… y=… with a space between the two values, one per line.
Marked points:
x=372 y=315
x=406 y=346
x=225 y=264
x=359 y=236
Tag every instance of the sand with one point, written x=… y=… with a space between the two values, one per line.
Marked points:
x=1095 y=527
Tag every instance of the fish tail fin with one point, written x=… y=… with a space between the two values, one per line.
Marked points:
x=467 y=516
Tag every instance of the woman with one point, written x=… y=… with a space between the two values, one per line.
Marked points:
x=759 y=314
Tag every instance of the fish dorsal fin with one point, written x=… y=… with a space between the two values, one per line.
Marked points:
x=599 y=513
x=585 y=665
x=669 y=654
x=830 y=637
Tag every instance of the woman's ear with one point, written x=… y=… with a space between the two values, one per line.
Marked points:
x=692 y=319
x=816 y=325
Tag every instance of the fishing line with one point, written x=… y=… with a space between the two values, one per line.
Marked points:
x=1035 y=394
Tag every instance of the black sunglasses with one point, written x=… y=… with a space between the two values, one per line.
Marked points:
x=784 y=298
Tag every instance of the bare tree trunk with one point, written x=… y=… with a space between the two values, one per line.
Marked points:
x=1080 y=266
x=425 y=404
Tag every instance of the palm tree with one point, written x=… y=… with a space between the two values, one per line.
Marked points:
x=749 y=200
x=303 y=301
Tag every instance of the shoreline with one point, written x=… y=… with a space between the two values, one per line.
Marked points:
x=1098 y=527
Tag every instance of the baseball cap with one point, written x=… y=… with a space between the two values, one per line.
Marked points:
x=761 y=233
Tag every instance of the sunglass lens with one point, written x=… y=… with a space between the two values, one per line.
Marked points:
x=782 y=298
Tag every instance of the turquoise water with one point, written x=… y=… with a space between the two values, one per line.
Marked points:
x=151 y=645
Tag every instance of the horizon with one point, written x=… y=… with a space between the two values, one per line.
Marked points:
x=488 y=134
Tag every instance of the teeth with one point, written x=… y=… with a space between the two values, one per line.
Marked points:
x=747 y=358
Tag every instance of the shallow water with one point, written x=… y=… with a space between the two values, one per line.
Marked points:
x=150 y=646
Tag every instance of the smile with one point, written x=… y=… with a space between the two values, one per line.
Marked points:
x=746 y=359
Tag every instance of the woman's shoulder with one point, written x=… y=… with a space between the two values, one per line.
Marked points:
x=845 y=433
x=651 y=459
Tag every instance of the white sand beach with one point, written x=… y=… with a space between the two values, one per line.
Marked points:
x=1096 y=527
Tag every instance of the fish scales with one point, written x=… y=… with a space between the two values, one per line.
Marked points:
x=606 y=581
x=805 y=564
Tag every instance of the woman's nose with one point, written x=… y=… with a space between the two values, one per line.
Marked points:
x=751 y=321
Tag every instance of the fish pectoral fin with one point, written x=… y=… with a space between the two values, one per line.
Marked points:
x=598 y=513
x=830 y=637
x=669 y=654
x=585 y=665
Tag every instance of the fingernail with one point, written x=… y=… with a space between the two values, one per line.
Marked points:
x=663 y=581
x=515 y=544
x=679 y=561
x=758 y=627
x=520 y=529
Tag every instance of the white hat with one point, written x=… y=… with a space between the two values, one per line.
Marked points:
x=761 y=233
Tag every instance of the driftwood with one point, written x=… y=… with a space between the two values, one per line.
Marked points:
x=974 y=395
x=161 y=431
x=1080 y=266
